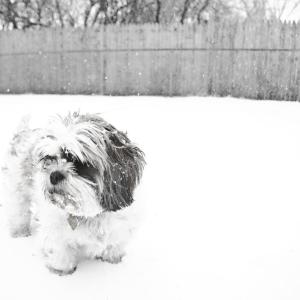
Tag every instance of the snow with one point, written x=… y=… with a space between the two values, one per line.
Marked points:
x=221 y=196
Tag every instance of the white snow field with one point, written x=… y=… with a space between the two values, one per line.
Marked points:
x=221 y=192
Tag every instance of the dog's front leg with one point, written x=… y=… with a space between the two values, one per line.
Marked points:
x=60 y=258
x=57 y=242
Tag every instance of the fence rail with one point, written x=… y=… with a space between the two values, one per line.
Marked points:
x=250 y=60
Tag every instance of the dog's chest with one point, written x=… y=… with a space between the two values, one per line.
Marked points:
x=90 y=228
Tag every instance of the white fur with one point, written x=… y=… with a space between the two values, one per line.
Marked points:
x=98 y=234
x=104 y=236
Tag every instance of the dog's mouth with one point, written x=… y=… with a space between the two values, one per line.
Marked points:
x=75 y=199
x=62 y=200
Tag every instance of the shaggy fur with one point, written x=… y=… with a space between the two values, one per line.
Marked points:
x=75 y=179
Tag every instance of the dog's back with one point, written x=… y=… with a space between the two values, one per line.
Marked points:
x=17 y=173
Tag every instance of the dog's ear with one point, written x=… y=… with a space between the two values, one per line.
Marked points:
x=123 y=171
x=123 y=162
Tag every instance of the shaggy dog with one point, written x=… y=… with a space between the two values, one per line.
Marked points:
x=74 y=182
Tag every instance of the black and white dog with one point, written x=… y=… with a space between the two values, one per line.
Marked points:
x=75 y=179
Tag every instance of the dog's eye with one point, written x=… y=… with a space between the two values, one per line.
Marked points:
x=68 y=156
x=48 y=160
x=71 y=158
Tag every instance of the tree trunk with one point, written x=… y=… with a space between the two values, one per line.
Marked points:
x=186 y=6
x=158 y=10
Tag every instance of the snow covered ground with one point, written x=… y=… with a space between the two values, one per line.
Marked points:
x=222 y=197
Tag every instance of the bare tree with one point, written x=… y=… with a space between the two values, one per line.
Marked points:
x=185 y=9
x=23 y=14
x=282 y=8
x=267 y=9
x=158 y=11
x=197 y=11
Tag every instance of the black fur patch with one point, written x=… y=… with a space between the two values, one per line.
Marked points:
x=125 y=163
x=83 y=169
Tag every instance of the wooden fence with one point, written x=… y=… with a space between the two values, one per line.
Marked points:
x=259 y=61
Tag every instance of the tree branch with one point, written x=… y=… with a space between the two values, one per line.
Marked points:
x=186 y=7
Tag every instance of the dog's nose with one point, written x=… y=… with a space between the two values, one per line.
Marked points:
x=56 y=177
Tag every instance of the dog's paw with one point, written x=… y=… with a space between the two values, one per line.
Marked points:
x=112 y=254
x=60 y=260
x=61 y=272
x=20 y=232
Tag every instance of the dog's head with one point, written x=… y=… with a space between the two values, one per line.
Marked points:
x=86 y=165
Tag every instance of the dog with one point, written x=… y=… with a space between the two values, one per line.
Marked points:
x=72 y=184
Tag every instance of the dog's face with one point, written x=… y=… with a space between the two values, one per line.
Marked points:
x=71 y=183
x=86 y=165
